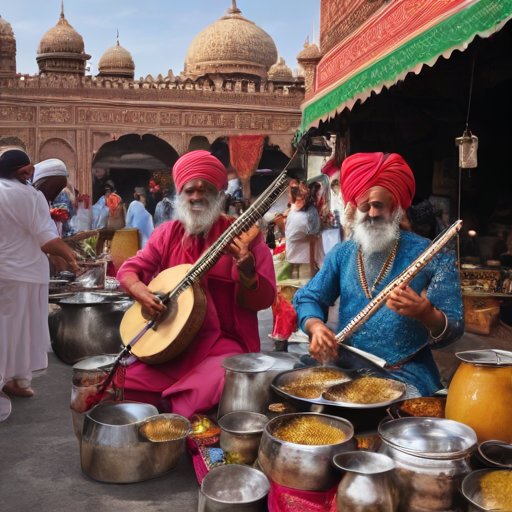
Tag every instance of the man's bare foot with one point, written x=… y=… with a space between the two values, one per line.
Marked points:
x=12 y=388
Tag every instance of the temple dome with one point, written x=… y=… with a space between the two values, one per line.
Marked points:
x=310 y=52
x=7 y=50
x=117 y=62
x=62 y=50
x=231 y=45
x=6 y=29
x=280 y=72
x=62 y=38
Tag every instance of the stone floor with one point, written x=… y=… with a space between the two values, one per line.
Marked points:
x=39 y=458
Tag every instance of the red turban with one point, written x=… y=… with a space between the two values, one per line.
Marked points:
x=363 y=171
x=199 y=165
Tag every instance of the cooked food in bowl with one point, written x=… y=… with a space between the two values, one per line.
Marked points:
x=312 y=384
x=308 y=430
x=367 y=390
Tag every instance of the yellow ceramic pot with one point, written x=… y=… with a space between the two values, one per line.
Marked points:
x=480 y=396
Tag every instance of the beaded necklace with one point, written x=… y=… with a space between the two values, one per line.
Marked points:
x=384 y=271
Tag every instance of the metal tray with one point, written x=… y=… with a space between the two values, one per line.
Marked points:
x=292 y=375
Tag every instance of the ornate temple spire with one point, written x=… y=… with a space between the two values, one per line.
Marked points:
x=62 y=9
x=234 y=9
x=117 y=37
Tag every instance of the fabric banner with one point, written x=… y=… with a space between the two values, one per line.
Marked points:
x=386 y=61
x=245 y=153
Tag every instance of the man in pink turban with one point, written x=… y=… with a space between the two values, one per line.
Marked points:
x=239 y=285
x=377 y=188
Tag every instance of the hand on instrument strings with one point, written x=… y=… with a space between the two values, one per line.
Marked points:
x=406 y=302
x=150 y=302
x=239 y=248
x=323 y=346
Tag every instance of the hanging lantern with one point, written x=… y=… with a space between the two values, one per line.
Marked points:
x=468 y=147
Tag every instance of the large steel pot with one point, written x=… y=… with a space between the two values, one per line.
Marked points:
x=248 y=378
x=113 y=451
x=89 y=326
x=303 y=467
x=234 y=488
x=432 y=458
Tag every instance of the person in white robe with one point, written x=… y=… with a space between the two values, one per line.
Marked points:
x=138 y=217
x=27 y=234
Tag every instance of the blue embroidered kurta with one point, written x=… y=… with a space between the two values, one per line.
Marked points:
x=400 y=340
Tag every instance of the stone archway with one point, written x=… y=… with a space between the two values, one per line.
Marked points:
x=12 y=141
x=61 y=149
x=132 y=161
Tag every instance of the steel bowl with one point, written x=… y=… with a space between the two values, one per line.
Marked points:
x=240 y=434
x=472 y=491
x=113 y=451
x=495 y=454
x=366 y=416
x=395 y=410
x=234 y=488
x=303 y=467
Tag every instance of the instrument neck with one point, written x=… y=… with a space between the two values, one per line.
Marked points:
x=208 y=260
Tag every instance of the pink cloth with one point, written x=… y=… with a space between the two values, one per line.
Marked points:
x=193 y=381
x=363 y=171
x=284 y=499
x=199 y=165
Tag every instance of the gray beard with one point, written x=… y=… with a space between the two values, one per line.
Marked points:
x=199 y=220
x=378 y=235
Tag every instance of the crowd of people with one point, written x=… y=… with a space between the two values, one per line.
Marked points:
x=376 y=194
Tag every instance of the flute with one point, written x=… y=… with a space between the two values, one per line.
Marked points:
x=405 y=277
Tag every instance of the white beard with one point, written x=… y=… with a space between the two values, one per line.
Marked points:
x=378 y=234
x=199 y=218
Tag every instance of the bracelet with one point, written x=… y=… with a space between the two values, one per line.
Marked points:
x=435 y=339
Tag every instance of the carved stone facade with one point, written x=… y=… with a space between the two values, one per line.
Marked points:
x=232 y=85
x=72 y=120
x=339 y=18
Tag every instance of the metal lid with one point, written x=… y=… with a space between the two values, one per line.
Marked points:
x=88 y=299
x=282 y=360
x=488 y=357
x=430 y=438
x=95 y=363
x=248 y=363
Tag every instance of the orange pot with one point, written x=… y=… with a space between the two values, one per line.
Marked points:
x=481 y=397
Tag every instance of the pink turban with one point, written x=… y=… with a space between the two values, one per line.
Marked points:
x=363 y=171
x=199 y=165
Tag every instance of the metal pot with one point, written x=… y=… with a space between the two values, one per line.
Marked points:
x=89 y=326
x=247 y=381
x=112 y=449
x=368 y=483
x=481 y=390
x=234 y=488
x=88 y=378
x=303 y=467
x=240 y=434
x=432 y=458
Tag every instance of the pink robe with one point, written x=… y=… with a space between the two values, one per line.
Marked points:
x=193 y=381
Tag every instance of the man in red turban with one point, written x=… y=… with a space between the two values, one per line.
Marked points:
x=239 y=285
x=377 y=189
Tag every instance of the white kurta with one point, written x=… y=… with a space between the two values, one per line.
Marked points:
x=138 y=217
x=24 y=276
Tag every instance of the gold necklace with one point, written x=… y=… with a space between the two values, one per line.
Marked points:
x=384 y=271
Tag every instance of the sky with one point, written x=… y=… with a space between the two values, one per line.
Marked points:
x=156 y=32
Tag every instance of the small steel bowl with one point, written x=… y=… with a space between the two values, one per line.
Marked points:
x=303 y=467
x=472 y=491
x=240 y=434
x=234 y=488
x=495 y=454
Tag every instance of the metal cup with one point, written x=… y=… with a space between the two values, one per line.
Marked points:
x=240 y=434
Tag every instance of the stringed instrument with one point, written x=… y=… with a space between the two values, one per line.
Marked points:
x=158 y=341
